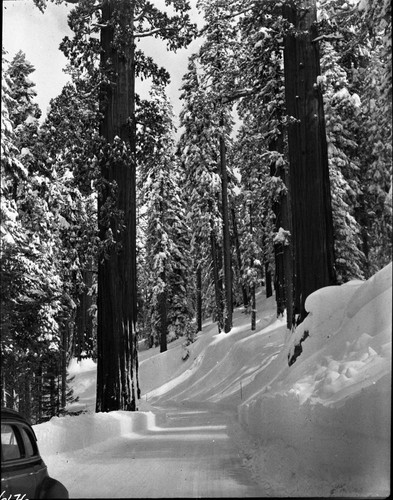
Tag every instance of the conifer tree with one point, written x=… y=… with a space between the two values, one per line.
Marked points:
x=356 y=69
x=341 y=112
x=215 y=57
x=374 y=210
x=167 y=234
x=69 y=135
x=262 y=109
x=124 y=23
x=375 y=207
x=308 y=161
x=289 y=27
x=199 y=158
x=120 y=24
x=32 y=258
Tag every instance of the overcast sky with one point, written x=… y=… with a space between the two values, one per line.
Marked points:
x=38 y=35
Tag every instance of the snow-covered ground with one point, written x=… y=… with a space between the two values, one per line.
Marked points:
x=320 y=427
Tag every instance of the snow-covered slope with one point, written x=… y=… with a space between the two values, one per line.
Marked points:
x=332 y=407
x=320 y=427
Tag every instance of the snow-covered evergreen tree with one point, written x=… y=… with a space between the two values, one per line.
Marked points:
x=342 y=107
x=357 y=81
x=167 y=233
x=375 y=211
x=218 y=75
x=69 y=136
x=199 y=157
x=375 y=136
x=262 y=109
x=32 y=286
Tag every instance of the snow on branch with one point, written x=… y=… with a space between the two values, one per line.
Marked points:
x=238 y=95
x=327 y=38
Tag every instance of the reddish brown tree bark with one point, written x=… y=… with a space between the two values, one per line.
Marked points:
x=117 y=294
x=312 y=226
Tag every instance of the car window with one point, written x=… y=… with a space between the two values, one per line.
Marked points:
x=9 y=444
x=29 y=443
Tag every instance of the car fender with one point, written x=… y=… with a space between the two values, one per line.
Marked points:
x=51 y=488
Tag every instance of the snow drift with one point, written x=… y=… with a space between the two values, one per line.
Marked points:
x=320 y=427
x=331 y=409
x=68 y=433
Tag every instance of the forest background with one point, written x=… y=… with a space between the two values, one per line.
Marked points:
x=186 y=224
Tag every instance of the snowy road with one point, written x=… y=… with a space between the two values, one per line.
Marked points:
x=188 y=453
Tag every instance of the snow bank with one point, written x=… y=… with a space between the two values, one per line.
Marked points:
x=320 y=427
x=332 y=407
x=159 y=371
x=330 y=410
x=223 y=366
x=71 y=433
x=83 y=375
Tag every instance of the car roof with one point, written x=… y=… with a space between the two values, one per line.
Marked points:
x=8 y=413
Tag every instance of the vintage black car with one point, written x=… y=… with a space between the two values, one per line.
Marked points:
x=24 y=474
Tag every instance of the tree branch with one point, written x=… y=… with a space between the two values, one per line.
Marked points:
x=239 y=13
x=238 y=95
x=147 y=33
x=327 y=37
x=137 y=18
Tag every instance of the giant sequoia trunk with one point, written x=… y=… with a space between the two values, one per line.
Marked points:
x=117 y=313
x=312 y=226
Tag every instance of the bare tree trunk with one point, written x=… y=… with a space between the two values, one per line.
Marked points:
x=226 y=235
x=217 y=279
x=220 y=281
x=253 y=308
x=24 y=391
x=268 y=280
x=3 y=391
x=312 y=226
x=199 y=297
x=239 y=257
x=278 y=208
x=279 y=279
x=83 y=321
x=162 y=307
x=162 y=299
x=287 y=250
x=39 y=393
x=252 y=287
x=116 y=303
x=66 y=334
x=363 y=217
x=53 y=389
